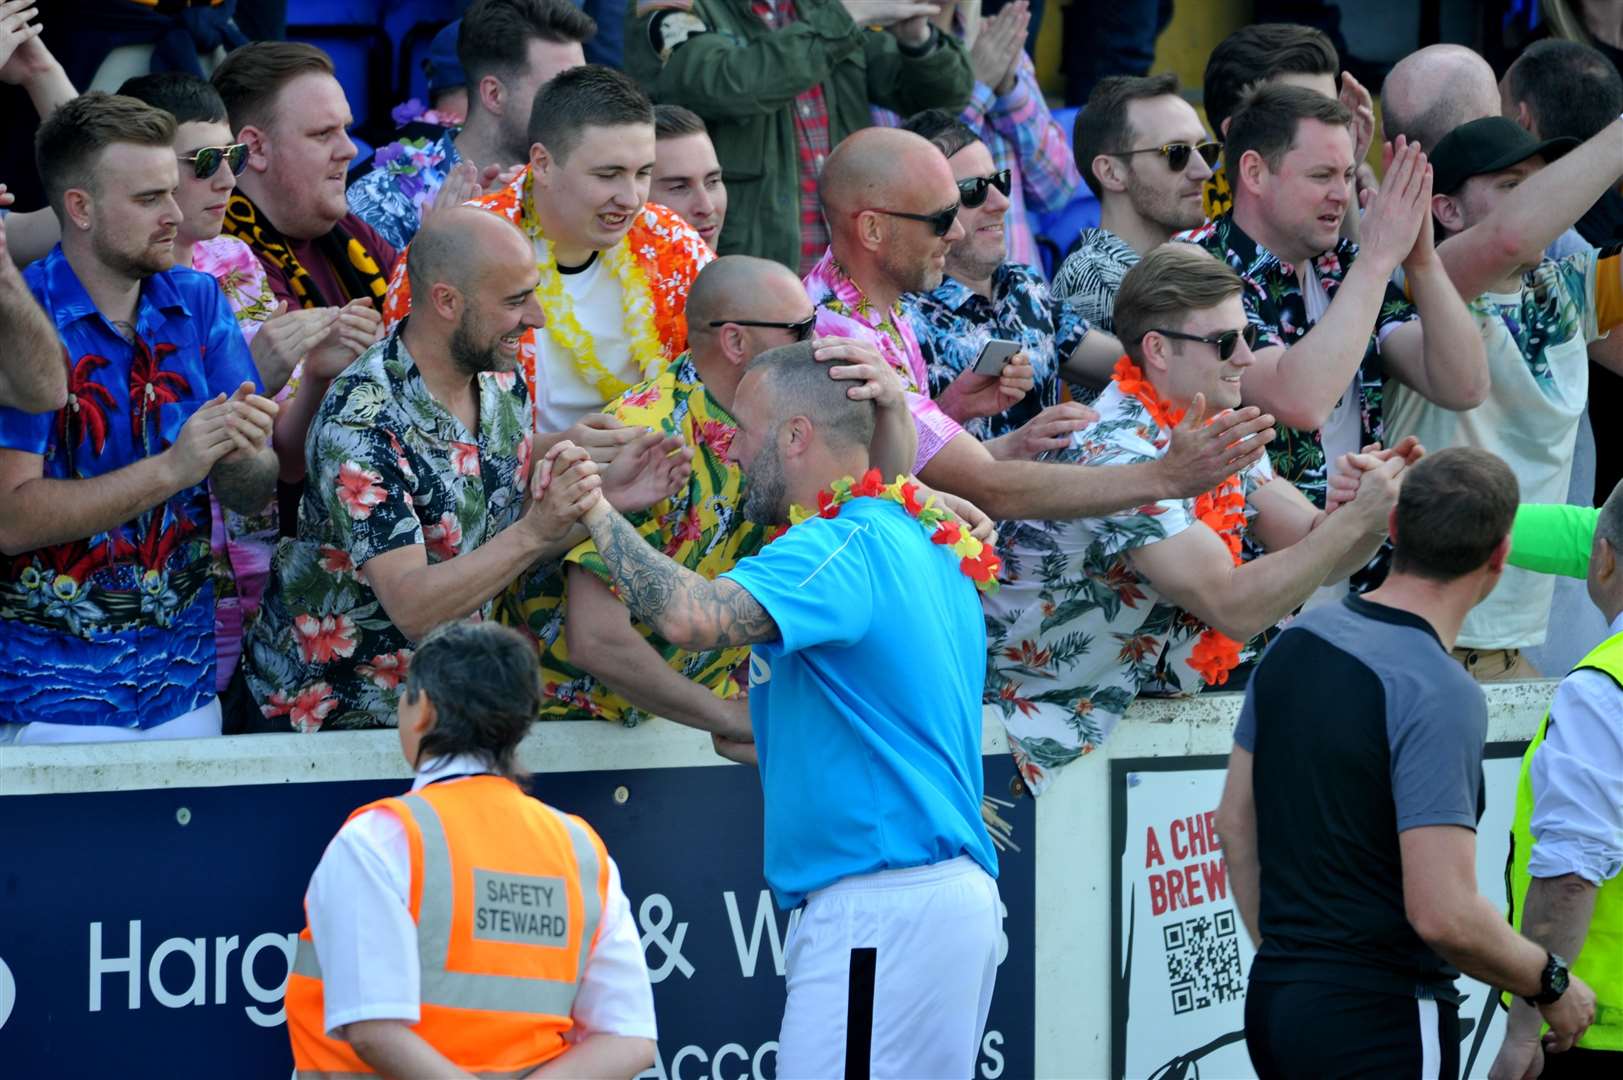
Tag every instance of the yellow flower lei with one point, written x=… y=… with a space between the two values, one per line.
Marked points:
x=647 y=352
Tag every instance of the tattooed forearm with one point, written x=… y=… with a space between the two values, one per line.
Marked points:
x=685 y=608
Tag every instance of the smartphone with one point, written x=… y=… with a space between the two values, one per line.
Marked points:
x=994 y=355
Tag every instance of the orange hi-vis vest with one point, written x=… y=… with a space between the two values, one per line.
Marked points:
x=507 y=894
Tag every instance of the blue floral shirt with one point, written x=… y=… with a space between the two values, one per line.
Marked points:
x=953 y=322
x=406 y=176
x=117 y=629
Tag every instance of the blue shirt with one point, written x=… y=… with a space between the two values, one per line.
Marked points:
x=117 y=629
x=407 y=175
x=867 y=709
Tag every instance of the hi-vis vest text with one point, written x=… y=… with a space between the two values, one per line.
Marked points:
x=1601 y=962
x=507 y=894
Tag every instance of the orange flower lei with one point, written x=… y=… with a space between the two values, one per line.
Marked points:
x=1222 y=510
x=976 y=560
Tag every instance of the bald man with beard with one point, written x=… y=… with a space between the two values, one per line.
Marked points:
x=597 y=662
x=892 y=207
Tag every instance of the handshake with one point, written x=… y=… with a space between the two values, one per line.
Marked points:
x=567 y=486
x=1371 y=479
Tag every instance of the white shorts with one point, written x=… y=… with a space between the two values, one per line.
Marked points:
x=890 y=975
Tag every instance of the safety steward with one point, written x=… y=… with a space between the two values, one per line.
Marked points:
x=1566 y=892
x=467 y=928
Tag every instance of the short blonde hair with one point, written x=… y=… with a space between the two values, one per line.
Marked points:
x=71 y=141
x=1166 y=285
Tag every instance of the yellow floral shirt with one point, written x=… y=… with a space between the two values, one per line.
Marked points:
x=1216 y=196
x=701 y=527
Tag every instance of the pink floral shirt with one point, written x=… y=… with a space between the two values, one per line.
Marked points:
x=843 y=311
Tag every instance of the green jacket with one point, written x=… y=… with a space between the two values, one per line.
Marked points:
x=741 y=76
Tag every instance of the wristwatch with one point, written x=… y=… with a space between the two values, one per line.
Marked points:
x=1552 y=982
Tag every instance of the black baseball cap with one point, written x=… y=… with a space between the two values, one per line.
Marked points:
x=1487 y=146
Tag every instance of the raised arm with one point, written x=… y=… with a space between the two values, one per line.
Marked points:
x=33 y=371
x=1553 y=538
x=1440 y=355
x=1301 y=384
x=685 y=608
x=1195 y=571
x=1201 y=457
x=1528 y=219
x=895 y=437
x=603 y=642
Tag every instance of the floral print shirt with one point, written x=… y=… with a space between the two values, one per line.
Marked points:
x=1274 y=302
x=1090 y=276
x=699 y=527
x=953 y=322
x=117 y=629
x=843 y=311
x=388 y=467
x=241 y=544
x=1074 y=632
x=406 y=176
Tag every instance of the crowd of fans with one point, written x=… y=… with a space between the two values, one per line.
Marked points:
x=267 y=418
x=265 y=483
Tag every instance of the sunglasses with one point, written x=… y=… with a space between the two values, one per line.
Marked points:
x=1225 y=341
x=973 y=191
x=206 y=162
x=799 y=330
x=1177 y=153
x=940 y=221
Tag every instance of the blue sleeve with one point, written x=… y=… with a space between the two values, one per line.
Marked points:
x=1436 y=742
x=814 y=581
x=227 y=362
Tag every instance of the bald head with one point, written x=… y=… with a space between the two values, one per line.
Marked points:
x=1431 y=92
x=881 y=167
x=744 y=287
x=797 y=385
x=458 y=245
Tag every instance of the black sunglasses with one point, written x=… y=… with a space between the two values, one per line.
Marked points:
x=1225 y=341
x=973 y=191
x=800 y=330
x=1177 y=153
x=206 y=162
x=940 y=221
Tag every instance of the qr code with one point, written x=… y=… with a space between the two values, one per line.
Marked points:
x=1203 y=961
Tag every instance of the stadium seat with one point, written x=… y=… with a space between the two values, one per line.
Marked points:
x=1057 y=231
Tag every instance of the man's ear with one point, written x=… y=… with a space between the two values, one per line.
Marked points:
x=1111 y=172
x=1524 y=117
x=258 y=147
x=870 y=231
x=1496 y=561
x=1250 y=171
x=492 y=94
x=799 y=431
x=78 y=205
x=427 y=717
x=1446 y=209
x=447 y=301
x=1156 y=350
x=540 y=162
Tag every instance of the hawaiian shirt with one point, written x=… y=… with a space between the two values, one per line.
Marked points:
x=117 y=629
x=668 y=252
x=1275 y=304
x=405 y=177
x=388 y=467
x=812 y=140
x=1023 y=137
x=843 y=311
x=1090 y=276
x=700 y=528
x=1074 y=632
x=240 y=544
x=953 y=322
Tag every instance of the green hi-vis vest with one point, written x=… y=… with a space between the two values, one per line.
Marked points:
x=1601 y=962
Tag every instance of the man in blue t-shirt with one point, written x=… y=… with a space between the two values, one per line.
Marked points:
x=106 y=607
x=865 y=691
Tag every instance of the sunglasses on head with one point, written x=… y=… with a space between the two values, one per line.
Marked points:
x=1225 y=341
x=973 y=191
x=800 y=331
x=940 y=221
x=206 y=162
x=1177 y=153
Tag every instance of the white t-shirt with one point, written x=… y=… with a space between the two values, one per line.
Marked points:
x=360 y=917
x=562 y=395
x=1537 y=343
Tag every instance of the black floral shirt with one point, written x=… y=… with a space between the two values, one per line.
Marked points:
x=1274 y=301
